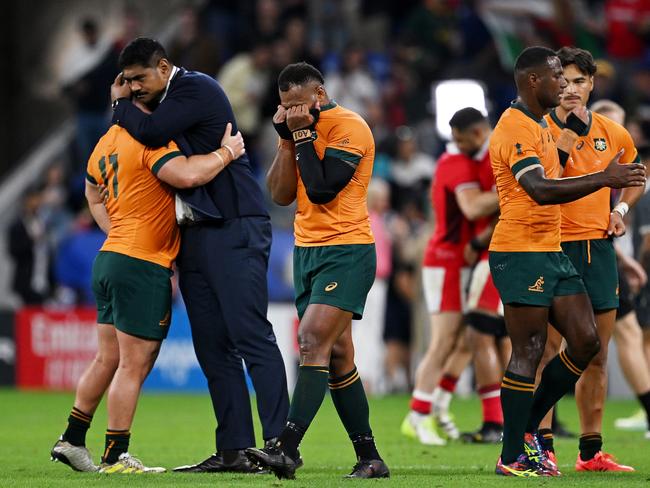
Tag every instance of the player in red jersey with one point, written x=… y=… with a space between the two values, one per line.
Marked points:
x=486 y=335
x=457 y=201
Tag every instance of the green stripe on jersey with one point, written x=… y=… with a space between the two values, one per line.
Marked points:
x=524 y=163
x=343 y=155
x=161 y=162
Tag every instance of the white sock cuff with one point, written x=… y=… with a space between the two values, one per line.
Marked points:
x=423 y=396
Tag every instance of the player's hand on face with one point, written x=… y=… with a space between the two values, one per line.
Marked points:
x=119 y=89
x=234 y=142
x=298 y=117
x=624 y=175
x=280 y=115
x=616 y=225
x=280 y=124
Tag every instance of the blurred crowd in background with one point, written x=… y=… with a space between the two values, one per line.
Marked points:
x=380 y=58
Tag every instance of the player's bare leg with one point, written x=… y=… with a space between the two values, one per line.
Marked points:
x=591 y=391
x=419 y=424
x=98 y=375
x=573 y=317
x=504 y=347
x=630 y=346
x=443 y=393
x=553 y=345
x=70 y=448
x=397 y=364
x=445 y=327
x=488 y=371
x=137 y=357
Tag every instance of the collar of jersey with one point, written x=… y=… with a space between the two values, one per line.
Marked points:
x=520 y=106
x=560 y=124
x=329 y=106
x=169 y=82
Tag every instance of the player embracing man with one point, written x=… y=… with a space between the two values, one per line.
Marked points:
x=131 y=283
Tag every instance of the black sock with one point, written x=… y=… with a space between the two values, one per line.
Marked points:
x=644 y=400
x=558 y=378
x=78 y=425
x=364 y=447
x=117 y=442
x=516 y=400
x=546 y=439
x=589 y=445
x=290 y=438
x=351 y=403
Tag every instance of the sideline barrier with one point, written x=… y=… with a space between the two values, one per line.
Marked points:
x=53 y=348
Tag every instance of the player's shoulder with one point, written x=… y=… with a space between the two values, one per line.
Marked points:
x=600 y=121
x=452 y=157
x=344 y=117
x=193 y=78
x=515 y=122
x=452 y=164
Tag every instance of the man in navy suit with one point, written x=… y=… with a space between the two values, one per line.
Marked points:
x=226 y=238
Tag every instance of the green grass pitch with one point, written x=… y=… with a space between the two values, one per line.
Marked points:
x=171 y=430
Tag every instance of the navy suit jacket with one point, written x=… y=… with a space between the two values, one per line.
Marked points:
x=194 y=114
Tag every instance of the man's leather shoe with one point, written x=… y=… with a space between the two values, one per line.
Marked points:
x=217 y=464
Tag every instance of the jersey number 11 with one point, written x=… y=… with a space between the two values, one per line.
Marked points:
x=112 y=159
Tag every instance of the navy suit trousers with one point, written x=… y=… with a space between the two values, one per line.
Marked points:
x=222 y=270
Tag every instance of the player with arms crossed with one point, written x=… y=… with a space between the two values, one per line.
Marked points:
x=324 y=161
x=588 y=225
x=536 y=281
x=131 y=282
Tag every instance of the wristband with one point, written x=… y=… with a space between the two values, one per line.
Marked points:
x=230 y=150
x=282 y=130
x=477 y=245
x=117 y=101
x=622 y=208
x=223 y=163
x=302 y=135
x=574 y=123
